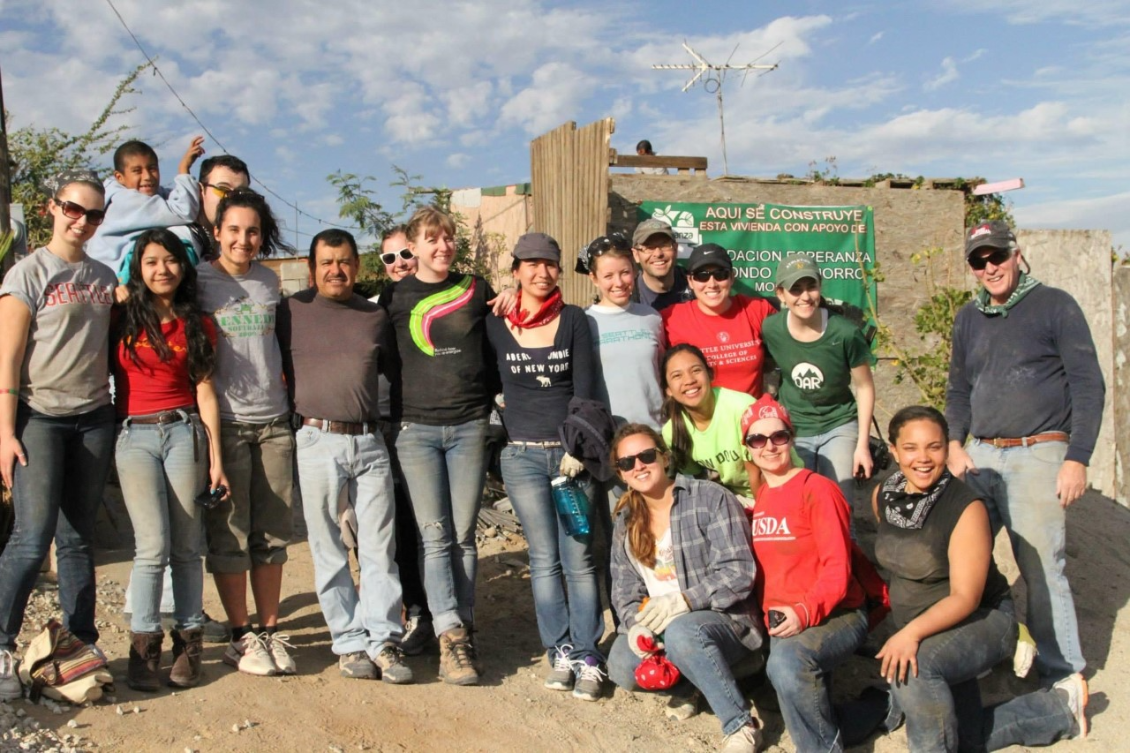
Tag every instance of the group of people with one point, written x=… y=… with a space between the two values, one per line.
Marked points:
x=725 y=514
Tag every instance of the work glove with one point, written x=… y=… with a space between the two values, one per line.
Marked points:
x=347 y=522
x=1025 y=652
x=570 y=466
x=642 y=641
x=658 y=613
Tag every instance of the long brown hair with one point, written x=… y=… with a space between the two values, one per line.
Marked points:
x=682 y=444
x=641 y=541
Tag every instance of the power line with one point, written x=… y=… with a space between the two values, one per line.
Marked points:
x=211 y=135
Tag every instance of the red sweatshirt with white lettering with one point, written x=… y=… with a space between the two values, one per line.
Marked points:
x=803 y=548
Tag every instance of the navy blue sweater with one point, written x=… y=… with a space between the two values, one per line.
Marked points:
x=1030 y=372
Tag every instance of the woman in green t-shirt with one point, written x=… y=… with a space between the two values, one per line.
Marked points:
x=821 y=358
x=703 y=427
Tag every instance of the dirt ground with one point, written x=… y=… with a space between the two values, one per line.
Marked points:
x=318 y=710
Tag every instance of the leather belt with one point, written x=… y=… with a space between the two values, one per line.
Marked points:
x=341 y=427
x=165 y=417
x=1003 y=443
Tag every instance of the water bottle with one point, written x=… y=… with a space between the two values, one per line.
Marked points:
x=572 y=505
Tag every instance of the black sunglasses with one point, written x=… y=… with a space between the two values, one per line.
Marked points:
x=702 y=275
x=606 y=243
x=998 y=257
x=778 y=438
x=76 y=211
x=647 y=457
x=388 y=259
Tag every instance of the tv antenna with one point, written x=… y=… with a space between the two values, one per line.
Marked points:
x=713 y=77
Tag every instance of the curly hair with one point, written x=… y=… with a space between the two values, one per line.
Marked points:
x=140 y=315
x=268 y=226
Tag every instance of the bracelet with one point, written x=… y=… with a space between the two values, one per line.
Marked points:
x=10 y=391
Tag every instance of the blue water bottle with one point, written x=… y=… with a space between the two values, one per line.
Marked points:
x=572 y=505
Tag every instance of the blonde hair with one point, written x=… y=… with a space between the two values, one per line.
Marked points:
x=427 y=219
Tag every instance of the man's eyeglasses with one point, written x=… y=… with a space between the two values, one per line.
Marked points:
x=628 y=462
x=998 y=257
x=388 y=259
x=220 y=190
x=702 y=275
x=76 y=211
x=778 y=438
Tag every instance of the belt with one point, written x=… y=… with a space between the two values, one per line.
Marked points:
x=535 y=444
x=1002 y=443
x=341 y=427
x=165 y=417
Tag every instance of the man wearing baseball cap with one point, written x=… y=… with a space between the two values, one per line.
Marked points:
x=1025 y=385
x=660 y=282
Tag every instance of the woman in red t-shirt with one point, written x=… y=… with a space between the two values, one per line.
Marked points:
x=812 y=604
x=168 y=450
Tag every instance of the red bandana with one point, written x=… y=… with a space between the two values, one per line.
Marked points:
x=546 y=314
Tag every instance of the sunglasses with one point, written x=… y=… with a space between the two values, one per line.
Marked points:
x=76 y=211
x=220 y=190
x=606 y=243
x=702 y=275
x=998 y=257
x=778 y=438
x=647 y=457
x=388 y=259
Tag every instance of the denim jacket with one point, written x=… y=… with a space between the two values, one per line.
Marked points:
x=711 y=538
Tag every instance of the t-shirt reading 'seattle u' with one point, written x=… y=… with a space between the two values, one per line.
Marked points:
x=65 y=370
x=248 y=375
x=445 y=373
x=731 y=341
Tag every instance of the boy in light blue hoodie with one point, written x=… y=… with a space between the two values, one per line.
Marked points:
x=136 y=202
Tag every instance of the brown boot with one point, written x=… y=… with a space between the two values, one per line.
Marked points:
x=456 y=661
x=188 y=645
x=144 y=661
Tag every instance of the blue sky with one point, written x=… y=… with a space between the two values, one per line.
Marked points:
x=454 y=91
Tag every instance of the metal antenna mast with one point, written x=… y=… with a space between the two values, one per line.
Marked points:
x=715 y=76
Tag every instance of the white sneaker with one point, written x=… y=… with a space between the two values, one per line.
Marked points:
x=10 y=687
x=278 y=644
x=1075 y=686
x=745 y=740
x=250 y=655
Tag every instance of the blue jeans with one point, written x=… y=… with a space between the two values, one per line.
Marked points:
x=56 y=495
x=339 y=469
x=800 y=669
x=578 y=620
x=831 y=454
x=444 y=468
x=1018 y=487
x=162 y=467
x=704 y=646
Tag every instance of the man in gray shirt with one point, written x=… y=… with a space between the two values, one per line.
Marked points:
x=333 y=344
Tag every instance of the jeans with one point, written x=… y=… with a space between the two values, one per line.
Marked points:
x=162 y=467
x=444 y=467
x=800 y=669
x=831 y=454
x=409 y=548
x=56 y=495
x=576 y=620
x=704 y=646
x=335 y=470
x=1018 y=486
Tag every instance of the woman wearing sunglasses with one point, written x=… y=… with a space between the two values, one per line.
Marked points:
x=681 y=577
x=951 y=607
x=168 y=450
x=545 y=358
x=703 y=427
x=813 y=606
x=56 y=420
x=821 y=358
x=442 y=399
x=727 y=329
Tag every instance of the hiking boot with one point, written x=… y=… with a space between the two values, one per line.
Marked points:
x=10 y=687
x=188 y=647
x=589 y=685
x=683 y=703
x=144 y=661
x=746 y=740
x=560 y=676
x=277 y=645
x=418 y=634
x=455 y=658
x=390 y=661
x=357 y=666
x=1075 y=686
x=215 y=631
x=250 y=655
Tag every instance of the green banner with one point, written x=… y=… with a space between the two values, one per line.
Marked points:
x=841 y=240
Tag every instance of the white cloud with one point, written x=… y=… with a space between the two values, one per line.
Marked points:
x=1099 y=212
x=1096 y=13
x=948 y=75
x=875 y=37
x=553 y=96
x=457 y=160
